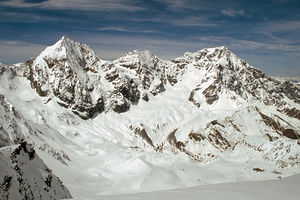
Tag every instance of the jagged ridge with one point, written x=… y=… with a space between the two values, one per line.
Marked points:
x=73 y=74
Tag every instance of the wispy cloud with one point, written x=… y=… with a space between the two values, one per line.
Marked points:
x=281 y=45
x=193 y=21
x=16 y=51
x=177 y=4
x=122 y=29
x=186 y=21
x=170 y=48
x=14 y=16
x=280 y=26
x=110 y=47
x=284 y=33
x=103 y=5
x=233 y=13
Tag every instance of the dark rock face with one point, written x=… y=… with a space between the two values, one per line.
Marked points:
x=35 y=84
x=145 y=97
x=291 y=91
x=10 y=132
x=293 y=112
x=122 y=106
x=29 y=151
x=217 y=139
x=5 y=185
x=211 y=93
x=21 y=167
x=290 y=133
x=148 y=69
x=192 y=98
x=141 y=132
x=276 y=125
x=130 y=92
x=196 y=136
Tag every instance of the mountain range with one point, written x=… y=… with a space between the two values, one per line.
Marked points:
x=141 y=122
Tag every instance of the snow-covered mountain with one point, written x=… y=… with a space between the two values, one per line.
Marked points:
x=71 y=73
x=143 y=120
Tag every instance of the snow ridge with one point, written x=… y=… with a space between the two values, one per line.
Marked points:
x=71 y=72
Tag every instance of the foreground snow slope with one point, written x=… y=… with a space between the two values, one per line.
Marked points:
x=141 y=124
x=24 y=175
x=286 y=188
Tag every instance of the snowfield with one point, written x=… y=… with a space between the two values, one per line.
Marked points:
x=286 y=188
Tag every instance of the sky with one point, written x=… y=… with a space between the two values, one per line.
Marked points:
x=265 y=33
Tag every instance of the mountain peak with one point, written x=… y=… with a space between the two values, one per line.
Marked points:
x=65 y=48
x=65 y=42
x=222 y=47
x=65 y=39
x=138 y=56
x=58 y=49
x=140 y=53
x=215 y=49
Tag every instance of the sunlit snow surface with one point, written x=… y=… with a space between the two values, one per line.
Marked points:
x=259 y=190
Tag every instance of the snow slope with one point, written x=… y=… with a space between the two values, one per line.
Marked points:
x=140 y=123
x=286 y=188
x=24 y=176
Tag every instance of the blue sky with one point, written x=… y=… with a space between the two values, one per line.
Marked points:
x=266 y=33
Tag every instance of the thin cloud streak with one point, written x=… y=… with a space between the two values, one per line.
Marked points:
x=122 y=29
x=193 y=21
x=16 y=51
x=100 y=5
x=165 y=48
x=28 y=17
x=190 y=21
x=248 y=44
x=171 y=48
x=233 y=13
x=109 y=47
x=176 y=5
x=166 y=27
x=280 y=26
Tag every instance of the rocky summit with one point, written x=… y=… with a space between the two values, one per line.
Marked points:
x=140 y=120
